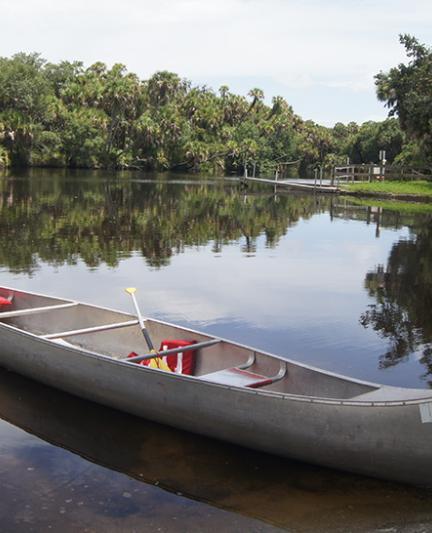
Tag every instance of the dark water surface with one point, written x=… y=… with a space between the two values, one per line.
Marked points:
x=341 y=286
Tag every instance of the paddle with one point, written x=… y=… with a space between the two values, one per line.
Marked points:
x=132 y=291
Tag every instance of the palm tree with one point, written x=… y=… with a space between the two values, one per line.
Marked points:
x=257 y=95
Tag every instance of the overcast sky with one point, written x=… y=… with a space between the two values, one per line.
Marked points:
x=321 y=56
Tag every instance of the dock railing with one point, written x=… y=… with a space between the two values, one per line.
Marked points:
x=374 y=172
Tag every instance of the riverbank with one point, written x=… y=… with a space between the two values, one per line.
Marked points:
x=420 y=190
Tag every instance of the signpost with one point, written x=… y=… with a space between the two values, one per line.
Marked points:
x=382 y=155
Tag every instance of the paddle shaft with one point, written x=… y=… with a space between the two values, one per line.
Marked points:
x=141 y=323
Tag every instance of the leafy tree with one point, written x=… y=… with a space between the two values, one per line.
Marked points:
x=23 y=86
x=24 y=93
x=407 y=92
x=371 y=137
x=83 y=137
x=165 y=86
x=61 y=75
x=122 y=101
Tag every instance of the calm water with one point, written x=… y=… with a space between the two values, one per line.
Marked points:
x=318 y=279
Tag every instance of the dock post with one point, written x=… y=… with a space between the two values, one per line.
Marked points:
x=321 y=174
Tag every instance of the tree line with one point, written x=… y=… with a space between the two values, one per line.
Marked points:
x=67 y=115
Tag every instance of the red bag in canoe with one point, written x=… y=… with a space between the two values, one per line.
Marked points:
x=180 y=363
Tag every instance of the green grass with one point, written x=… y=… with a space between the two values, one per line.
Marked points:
x=418 y=188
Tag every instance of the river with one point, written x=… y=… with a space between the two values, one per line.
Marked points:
x=332 y=282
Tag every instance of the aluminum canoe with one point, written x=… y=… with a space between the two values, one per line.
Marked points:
x=238 y=394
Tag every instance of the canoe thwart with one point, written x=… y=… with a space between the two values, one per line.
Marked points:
x=94 y=329
x=35 y=310
x=172 y=351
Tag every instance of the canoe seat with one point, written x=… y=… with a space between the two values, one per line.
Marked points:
x=241 y=377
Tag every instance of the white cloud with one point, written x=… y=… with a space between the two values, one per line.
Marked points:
x=295 y=43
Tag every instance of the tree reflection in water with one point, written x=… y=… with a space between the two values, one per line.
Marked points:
x=99 y=221
x=403 y=293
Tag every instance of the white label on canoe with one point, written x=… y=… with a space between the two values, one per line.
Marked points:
x=426 y=412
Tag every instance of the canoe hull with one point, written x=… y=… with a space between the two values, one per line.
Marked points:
x=387 y=441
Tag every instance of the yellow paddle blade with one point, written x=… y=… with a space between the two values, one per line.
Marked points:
x=130 y=290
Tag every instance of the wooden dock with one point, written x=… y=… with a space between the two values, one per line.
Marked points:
x=292 y=184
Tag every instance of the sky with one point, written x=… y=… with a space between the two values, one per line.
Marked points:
x=320 y=56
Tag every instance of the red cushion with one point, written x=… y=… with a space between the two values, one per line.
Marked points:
x=186 y=359
x=4 y=302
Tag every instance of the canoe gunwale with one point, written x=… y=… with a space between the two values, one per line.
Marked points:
x=36 y=310
x=350 y=402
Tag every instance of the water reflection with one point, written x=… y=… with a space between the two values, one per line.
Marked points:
x=252 y=485
x=403 y=293
x=100 y=221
